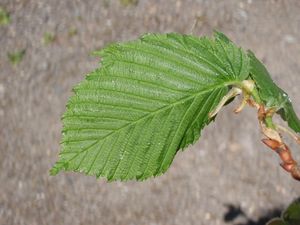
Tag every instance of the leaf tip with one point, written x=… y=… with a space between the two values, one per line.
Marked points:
x=53 y=172
x=58 y=166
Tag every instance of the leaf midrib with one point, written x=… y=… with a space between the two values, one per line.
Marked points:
x=225 y=84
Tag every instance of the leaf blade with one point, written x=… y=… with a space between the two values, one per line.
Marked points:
x=128 y=119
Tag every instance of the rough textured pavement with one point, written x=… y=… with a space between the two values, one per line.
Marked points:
x=229 y=165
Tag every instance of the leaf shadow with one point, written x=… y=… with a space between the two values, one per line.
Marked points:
x=234 y=212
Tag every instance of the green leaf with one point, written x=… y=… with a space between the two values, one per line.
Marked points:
x=271 y=94
x=276 y=221
x=4 y=17
x=292 y=214
x=149 y=98
x=129 y=2
x=48 y=38
x=16 y=57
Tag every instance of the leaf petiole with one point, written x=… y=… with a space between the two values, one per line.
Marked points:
x=235 y=91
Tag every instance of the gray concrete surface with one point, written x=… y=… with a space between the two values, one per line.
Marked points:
x=228 y=164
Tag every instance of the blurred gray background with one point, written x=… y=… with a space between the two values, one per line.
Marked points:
x=229 y=165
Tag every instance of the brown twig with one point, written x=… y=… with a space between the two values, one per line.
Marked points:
x=288 y=162
x=274 y=139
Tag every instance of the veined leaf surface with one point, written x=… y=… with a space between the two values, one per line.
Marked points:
x=149 y=98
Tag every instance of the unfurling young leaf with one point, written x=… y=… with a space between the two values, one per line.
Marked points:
x=153 y=96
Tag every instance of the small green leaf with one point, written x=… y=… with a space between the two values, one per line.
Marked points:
x=276 y=221
x=149 y=98
x=271 y=94
x=292 y=214
x=48 y=38
x=4 y=17
x=129 y=2
x=72 y=31
x=16 y=57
